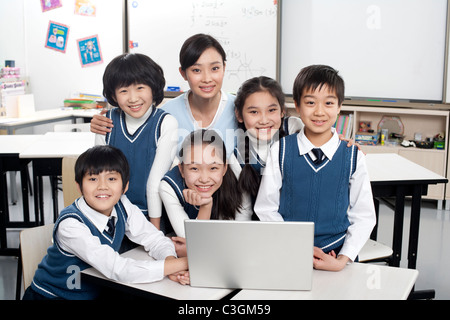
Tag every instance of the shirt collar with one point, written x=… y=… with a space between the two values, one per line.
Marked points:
x=98 y=220
x=329 y=148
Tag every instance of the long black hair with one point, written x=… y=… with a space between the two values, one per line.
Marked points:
x=227 y=201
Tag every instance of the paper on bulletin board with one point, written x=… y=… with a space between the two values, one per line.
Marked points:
x=85 y=8
x=57 y=36
x=47 y=5
x=89 y=51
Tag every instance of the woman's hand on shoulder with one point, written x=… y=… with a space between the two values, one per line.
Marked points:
x=101 y=124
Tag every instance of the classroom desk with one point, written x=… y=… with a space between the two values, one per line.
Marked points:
x=394 y=176
x=10 y=148
x=46 y=155
x=44 y=117
x=357 y=281
x=165 y=288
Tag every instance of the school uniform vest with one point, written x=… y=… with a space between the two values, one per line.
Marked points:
x=55 y=276
x=317 y=193
x=225 y=125
x=139 y=149
x=175 y=180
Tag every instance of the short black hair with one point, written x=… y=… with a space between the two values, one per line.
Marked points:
x=133 y=68
x=102 y=158
x=194 y=47
x=316 y=76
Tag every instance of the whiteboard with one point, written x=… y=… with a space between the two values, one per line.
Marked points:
x=388 y=49
x=247 y=30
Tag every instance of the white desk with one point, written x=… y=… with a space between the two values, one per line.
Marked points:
x=45 y=116
x=46 y=154
x=10 y=148
x=357 y=281
x=394 y=176
x=166 y=288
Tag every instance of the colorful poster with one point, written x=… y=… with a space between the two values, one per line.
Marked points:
x=89 y=51
x=85 y=8
x=50 y=4
x=57 y=36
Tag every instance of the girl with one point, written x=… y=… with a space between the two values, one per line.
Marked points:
x=261 y=112
x=134 y=84
x=205 y=105
x=201 y=186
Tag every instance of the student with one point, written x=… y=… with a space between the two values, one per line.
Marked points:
x=84 y=236
x=134 y=84
x=331 y=189
x=261 y=114
x=205 y=105
x=201 y=186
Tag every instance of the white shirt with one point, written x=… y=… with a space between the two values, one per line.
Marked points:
x=165 y=154
x=222 y=104
x=76 y=238
x=361 y=212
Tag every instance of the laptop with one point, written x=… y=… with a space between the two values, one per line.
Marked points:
x=250 y=254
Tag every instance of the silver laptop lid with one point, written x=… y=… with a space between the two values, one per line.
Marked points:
x=250 y=254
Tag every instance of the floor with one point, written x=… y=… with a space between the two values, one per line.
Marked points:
x=433 y=260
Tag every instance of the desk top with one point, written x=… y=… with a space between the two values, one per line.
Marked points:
x=59 y=145
x=357 y=281
x=390 y=167
x=15 y=144
x=166 y=287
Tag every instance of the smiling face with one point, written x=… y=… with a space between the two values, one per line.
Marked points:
x=134 y=100
x=318 y=110
x=203 y=169
x=205 y=77
x=261 y=115
x=102 y=191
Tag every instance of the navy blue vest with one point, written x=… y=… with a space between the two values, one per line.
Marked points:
x=176 y=181
x=317 y=193
x=56 y=273
x=139 y=149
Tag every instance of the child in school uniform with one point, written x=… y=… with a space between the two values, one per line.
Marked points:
x=314 y=176
x=89 y=233
x=201 y=186
x=134 y=84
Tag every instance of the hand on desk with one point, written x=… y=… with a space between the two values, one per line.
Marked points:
x=176 y=269
x=101 y=124
x=180 y=277
x=328 y=261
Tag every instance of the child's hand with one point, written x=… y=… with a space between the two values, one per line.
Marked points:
x=180 y=246
x=329 y=262
x=181 y=277
x=101 y=124
x=350 y=142
x=194 y=198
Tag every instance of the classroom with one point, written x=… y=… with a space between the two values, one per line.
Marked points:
x=393 y=57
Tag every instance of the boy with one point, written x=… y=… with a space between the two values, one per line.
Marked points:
x=89 y=233
x=317 y=177
x=147 y=136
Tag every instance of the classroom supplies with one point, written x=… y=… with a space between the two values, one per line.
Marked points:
x=250 y=254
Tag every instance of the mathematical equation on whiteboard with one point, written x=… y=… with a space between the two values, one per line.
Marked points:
x=222 y=19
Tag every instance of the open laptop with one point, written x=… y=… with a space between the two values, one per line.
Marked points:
x=250 y=254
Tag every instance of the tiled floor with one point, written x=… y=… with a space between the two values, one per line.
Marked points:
x=433 y=260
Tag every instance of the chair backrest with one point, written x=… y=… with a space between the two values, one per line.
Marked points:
x=34 y=243
x=75 y=127
x=70 y=190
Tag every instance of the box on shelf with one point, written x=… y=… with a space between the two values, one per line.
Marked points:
x=366 y=138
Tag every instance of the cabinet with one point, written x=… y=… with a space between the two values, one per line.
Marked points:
x=426 y=122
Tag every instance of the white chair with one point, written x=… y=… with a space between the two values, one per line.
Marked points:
x=75 y=127
x=34 y=243
x=70 y=190
x=374 y=251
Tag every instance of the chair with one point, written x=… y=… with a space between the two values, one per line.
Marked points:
x=34 y=243
x=70 y=190
x=75 y=127
x=374 y=251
